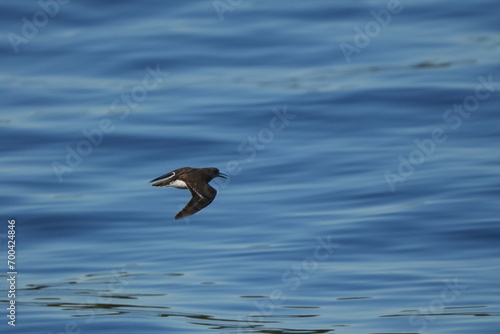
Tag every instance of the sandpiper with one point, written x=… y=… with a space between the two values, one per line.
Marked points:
x=196 y=180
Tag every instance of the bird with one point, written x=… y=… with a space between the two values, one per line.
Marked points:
x=194 y=179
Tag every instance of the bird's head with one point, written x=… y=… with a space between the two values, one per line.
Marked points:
x=214 y=172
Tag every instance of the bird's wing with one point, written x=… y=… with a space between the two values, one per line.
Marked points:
x=167 y=176
x=201 y=199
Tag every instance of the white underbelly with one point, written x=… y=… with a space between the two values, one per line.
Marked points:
x=178 y=184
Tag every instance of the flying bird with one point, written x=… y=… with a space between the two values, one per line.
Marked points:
x=194 y=179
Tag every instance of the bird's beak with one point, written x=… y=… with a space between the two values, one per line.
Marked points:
x=224 y=176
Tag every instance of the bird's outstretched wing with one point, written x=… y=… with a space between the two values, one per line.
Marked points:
x=202 y=197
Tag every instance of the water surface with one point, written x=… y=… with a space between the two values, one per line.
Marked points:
x=363 y=190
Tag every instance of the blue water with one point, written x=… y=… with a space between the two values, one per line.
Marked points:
x=361 y=140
